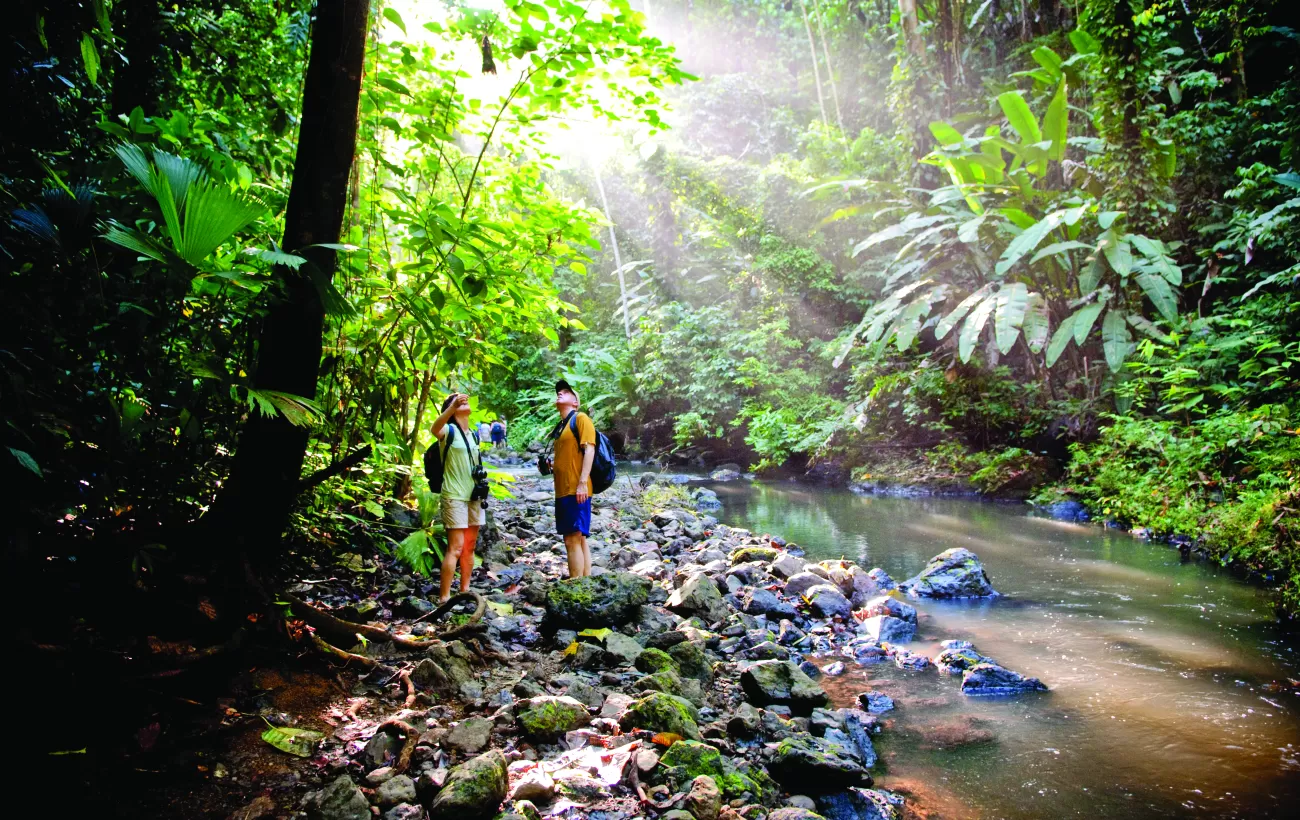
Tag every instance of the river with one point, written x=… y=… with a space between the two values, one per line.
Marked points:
x=1169 y=679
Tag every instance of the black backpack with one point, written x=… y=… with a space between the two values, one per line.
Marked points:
x=435 y=460
x=603 y=471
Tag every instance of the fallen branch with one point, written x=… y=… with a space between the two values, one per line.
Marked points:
x=469 y=595
x=351 y=460
x=337 y=627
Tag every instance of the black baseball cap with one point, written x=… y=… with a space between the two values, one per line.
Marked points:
x=562 y=385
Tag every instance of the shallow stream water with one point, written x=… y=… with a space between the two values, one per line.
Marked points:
x=1169 y=679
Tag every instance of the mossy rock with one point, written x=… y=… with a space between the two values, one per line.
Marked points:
x=661 y=712
x=744 y=555
x=814 y=764
x=686 y=760
x=610 y=599
x=781 y=682
x=547 y=717
x=473 y=790
x=655 y=660
x=672 y=683
x=692 y=662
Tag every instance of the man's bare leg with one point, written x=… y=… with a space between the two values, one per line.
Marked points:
x=574 y=545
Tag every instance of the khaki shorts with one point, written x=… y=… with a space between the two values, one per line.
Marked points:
x=458 y=515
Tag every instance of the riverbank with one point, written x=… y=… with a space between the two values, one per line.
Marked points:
x=678 y=682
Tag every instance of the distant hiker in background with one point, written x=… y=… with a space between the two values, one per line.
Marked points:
x=572 y=469
x=499 y=434
x=464 y=489
x=484 y=431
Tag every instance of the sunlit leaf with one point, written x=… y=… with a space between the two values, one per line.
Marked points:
x=298 y=742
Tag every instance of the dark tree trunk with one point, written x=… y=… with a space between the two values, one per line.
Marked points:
x=254 y=507
x=135 y=79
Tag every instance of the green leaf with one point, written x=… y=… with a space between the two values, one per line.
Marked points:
x=1009 y=314
x=1020 y=117
x=1029 y=239
x=1056 y=123
x=1049 y=60
x=1118 y=252
x=27 y=461
x=1083 y=42
x=297 y=742
x=394 y=86
x=1146 y=326
x=1115 y=339
x=1090 y=276
x=1060 y=340
x=90 y=57
x=947 y=323
x=970 y=331
x=599 y=634
x=1059 y=248
x=1153 y=250
x=274 y=257
x=393 y=17
x=1160 y=294
x=1036 y=322
x=946 y=134
x=1105 y=219
x=1084 y=318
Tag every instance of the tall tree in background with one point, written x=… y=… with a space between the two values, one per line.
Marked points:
x=257 y=500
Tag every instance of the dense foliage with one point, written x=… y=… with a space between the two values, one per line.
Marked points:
x=955 y=240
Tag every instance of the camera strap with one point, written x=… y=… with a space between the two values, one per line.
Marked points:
x=456 y=426
x=558 y=430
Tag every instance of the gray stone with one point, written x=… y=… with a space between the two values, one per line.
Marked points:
x=956 y=657
x=954 y=573
x=787 y=565
x=759 y=601
x=876 y=702
x=801 y=582
x=827 y=601
x=885 y=605
x=704 y=800
x=885 y=629
x=598 y=600
x=341 y=800
x=471 y=735
x=857 y=804
x=692 y=662
x=400 y=789
x=745 y=722
x=404 y=811
x=381 y=748
x=781 y=682
x=794 y=813
x=991 y=679
x=811 y=763
x=547 y=717
x=535 y=785
x=615 y=704
x=473 y=790
x=622 y=648
x=699 y=596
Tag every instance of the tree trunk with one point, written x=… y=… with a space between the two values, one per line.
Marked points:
x=907 y=16
x=812 y=52
x=618 y=256
x=254 y=506
x=830 y=72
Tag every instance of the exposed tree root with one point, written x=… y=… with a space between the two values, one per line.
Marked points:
x=405 y=677
x=346 y=630
x=408 y=747
x=329 y=649
x=471 y=595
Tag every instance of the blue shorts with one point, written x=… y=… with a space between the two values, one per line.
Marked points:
x=570 y=516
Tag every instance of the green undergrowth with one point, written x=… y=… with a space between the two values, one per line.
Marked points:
x=1231 y=480
x=1008 y=472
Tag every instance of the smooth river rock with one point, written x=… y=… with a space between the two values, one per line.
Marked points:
x=783 y=683
x=991 y=679
x=954 y=573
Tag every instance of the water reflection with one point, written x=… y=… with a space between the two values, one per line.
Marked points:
x=1169 y=679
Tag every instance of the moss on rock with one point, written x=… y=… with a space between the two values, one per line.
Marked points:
x=547 y=717
x=746 y=554
x=692 y=662
x=609 y=599
x=655 y=660
x=661 y=712
x=686 y=760
x=473 y=790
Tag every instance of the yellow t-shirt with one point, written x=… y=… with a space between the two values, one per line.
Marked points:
x=568 y=456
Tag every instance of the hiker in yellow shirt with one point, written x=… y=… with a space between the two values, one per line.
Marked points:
x=572 y=469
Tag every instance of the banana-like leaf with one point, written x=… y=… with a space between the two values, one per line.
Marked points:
x=1084 y=318
x=974 y=326
x=1020 y=117
x=909 y=323
x=1060 y=339
x=1154 y=251
x=1160 y=294
x=946 y=134
x=947 y=323
x=1059 y=248
x=1029 y=239
x=1056 y=121
x=1049 y=60
x=1117 y=250
x=1009 y=314
x=1145 y=325
x=1090 y=276
x=1115 y=339
x=1036 y=322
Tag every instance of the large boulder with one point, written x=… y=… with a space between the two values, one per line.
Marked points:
x=547 y=717
x=661 y=712
x=955 y=657
x=805 y=763
x=699 y=596
x=784 y=683
x=473 y=790
x=954 y=573
x=828 y=601
x=608 y=599
x=991 y=679
x=885 y=605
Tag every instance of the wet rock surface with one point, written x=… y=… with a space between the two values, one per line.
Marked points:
x=682 y=680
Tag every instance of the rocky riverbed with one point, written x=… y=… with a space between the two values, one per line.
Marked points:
x=676 y=682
